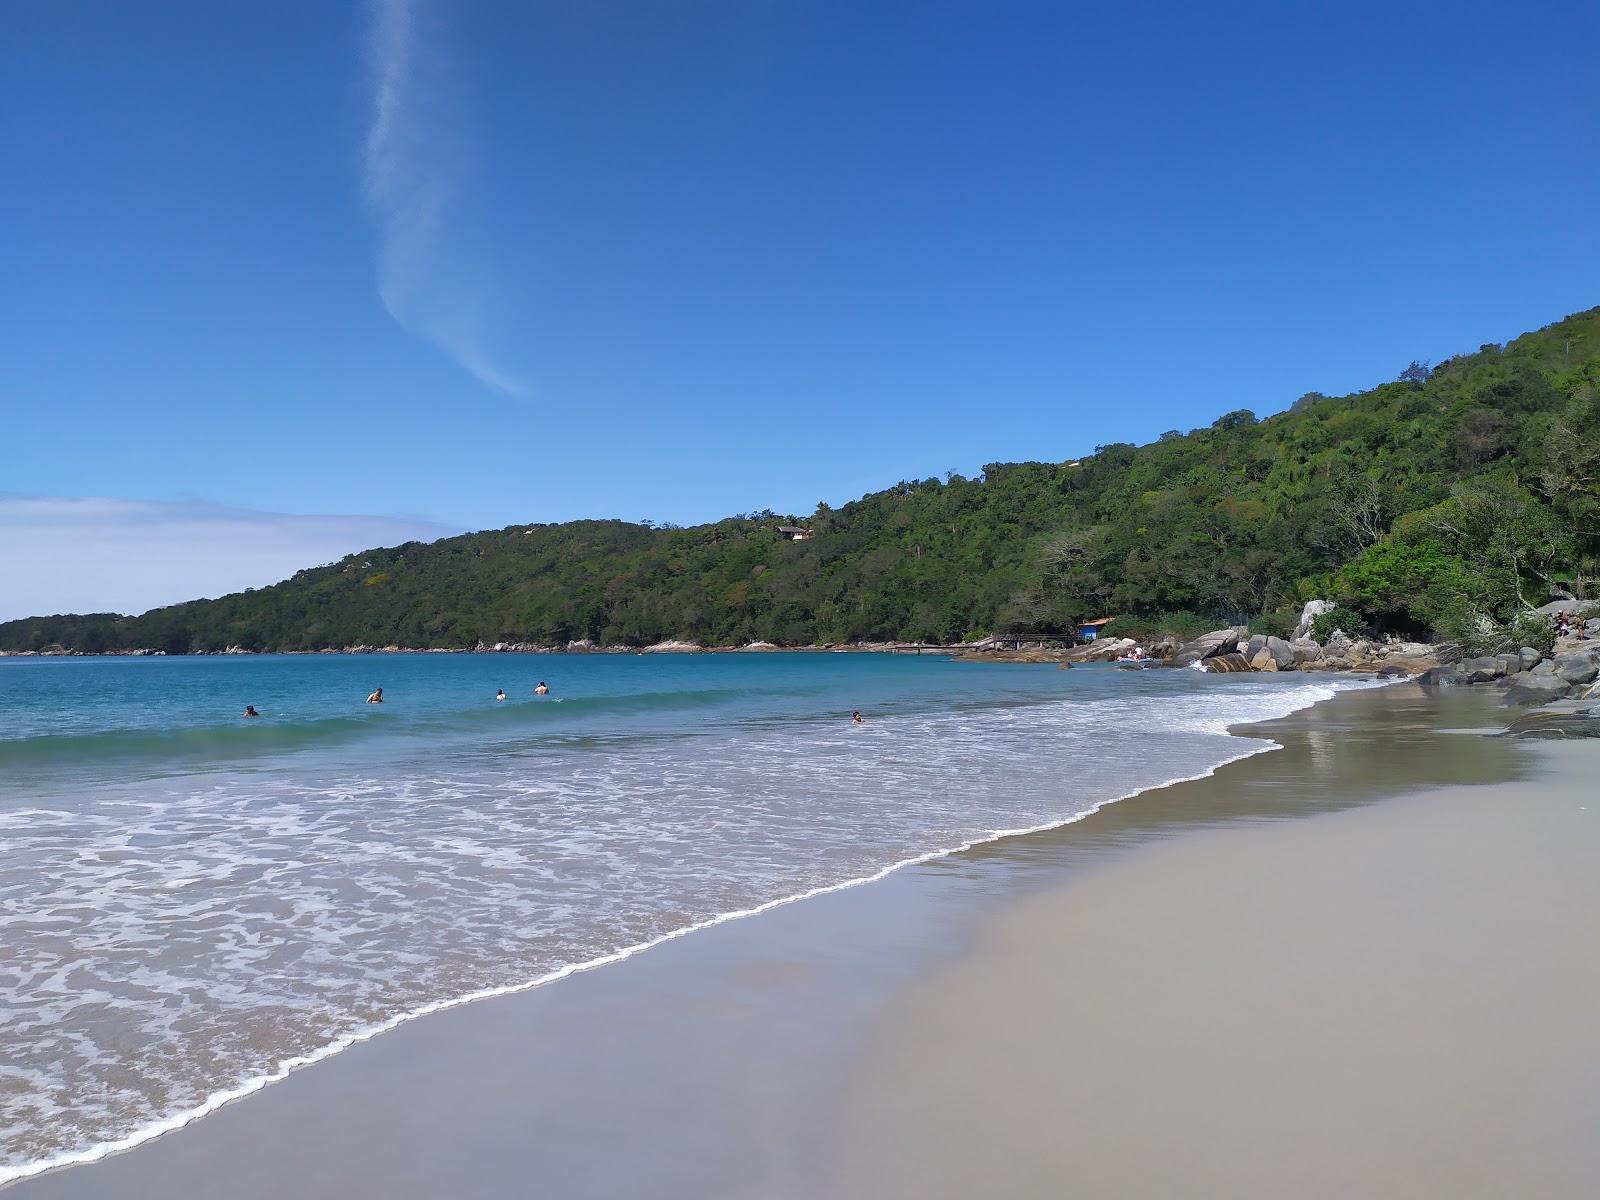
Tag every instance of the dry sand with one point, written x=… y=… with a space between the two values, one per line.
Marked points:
x=1401 y=1000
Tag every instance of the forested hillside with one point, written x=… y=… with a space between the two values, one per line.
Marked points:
x=1426 y=504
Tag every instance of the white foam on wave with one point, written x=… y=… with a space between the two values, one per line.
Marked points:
x=1200 y=714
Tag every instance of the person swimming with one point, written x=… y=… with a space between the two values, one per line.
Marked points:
x=249 y=711
x=500 y=695
x=542 y=689
x=376 y=697
x=857 y=719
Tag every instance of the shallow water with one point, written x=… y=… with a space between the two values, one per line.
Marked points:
x=188 y=900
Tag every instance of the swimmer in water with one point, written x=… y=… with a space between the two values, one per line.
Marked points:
x=376 y=697
x=500 y=695
x=541 y=690
x=857 y=719
x=249 y=711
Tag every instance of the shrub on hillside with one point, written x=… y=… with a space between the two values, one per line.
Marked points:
x=1531 y=629
x=1477 y=633
x=1347 y=619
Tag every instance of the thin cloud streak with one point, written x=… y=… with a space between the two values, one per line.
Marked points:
x=97 y=554
x=415 y=171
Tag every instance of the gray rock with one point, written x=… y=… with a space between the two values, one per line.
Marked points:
x=1444 y=676
x=1256 y=644
x=1545 y=668
x=1574 y=607
x=1338 y=644
x=1530 y=657
x=1532 y=689
x=1568 y=723
x=1513 y=663
x=1308 y=614
x=1207 y=645
x=1482 y=670
x=1305 y=650
x=1576 y=668
x=1282 y=653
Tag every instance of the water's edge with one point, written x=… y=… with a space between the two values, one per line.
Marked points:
x=1255 y=745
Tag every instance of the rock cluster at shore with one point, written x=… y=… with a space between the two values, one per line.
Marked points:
x=1564 y=686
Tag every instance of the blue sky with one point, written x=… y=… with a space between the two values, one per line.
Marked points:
x=462 y=265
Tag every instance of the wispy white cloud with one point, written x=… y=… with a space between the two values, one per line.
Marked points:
x=417 y=168
x=94 y=554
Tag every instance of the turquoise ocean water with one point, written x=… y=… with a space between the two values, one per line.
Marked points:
x=192 y=903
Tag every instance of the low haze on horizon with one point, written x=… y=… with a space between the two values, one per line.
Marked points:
x=446 y=266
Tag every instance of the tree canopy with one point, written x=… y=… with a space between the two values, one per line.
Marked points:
x=1463 y=489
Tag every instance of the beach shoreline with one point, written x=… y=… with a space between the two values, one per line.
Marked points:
x=235 y=1141
x=1391 y=1000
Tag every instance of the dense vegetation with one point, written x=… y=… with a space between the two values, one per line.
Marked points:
x=1450 y=497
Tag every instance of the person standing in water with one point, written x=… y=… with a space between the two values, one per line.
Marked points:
x=857 y=719
x=500 y=695
x=249 y=711
x=541 y=690
x=376 y=697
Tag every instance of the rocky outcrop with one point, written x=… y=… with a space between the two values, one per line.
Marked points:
x=1530 y=689
x=1565 y=720
x=1207 y=645
x=1482 y=670
x=1227 y=664
x=1338 y=645
x=1305 y=650
x=1577 y=667
x=1308 y=614
x=1102 y=650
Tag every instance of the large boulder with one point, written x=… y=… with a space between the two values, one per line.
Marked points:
x=1207 y=645
x=1262 y=660
x=1532 y=689
x=1444 y=675
x=1576 y=668
x=1513 y=663
x=1256 y=644
x=1227 y=664
x=1482 y=670
x=1529 y=657
x=1572 y=607
x=1308 y=614
x=1102 y=650
x=1282 y=653
x=1338 y=645
x=1305 y=650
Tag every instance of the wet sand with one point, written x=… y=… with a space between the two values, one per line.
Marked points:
x=850 y=1044
x=1396 y=1001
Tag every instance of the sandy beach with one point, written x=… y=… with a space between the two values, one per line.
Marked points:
x=1359 y=965
x=1392 y=1001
